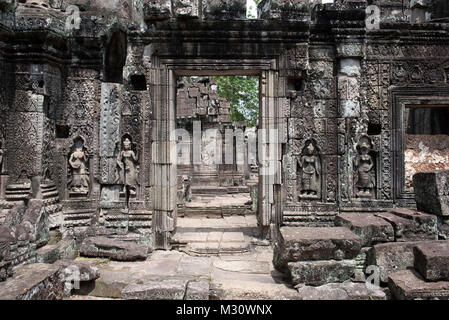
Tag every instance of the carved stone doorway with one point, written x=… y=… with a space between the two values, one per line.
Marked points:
x=270 y=136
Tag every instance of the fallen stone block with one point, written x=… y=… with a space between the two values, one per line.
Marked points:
x=166 y=289
x=197 y=290
x=432 y=260
x=367 y=226
x=411 y=225
x=113 y=249
x=314 y=243
x=342 y=291
x=37 y=281
x=409 y=285
x=392 y=257
x=432 y=192
x=317 y=273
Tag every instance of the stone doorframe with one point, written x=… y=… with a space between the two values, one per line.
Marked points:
x=401 y=98
x=163 y=169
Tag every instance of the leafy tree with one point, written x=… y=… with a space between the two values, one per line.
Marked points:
x=242 y=92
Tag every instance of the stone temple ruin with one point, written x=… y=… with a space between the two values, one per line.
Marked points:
x=351 y=180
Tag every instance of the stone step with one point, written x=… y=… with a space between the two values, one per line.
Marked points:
x=432 y=260
x=370 y=228
x=308 y=244
x=409 y=285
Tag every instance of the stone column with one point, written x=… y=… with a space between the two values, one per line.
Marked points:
x=349 y=108
x=163 y=175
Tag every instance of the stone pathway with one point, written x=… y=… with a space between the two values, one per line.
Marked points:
x=243 y=276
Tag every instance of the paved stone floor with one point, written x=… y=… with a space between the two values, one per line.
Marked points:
x=241 y=275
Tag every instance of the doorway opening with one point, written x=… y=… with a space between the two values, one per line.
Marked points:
x=217 y=169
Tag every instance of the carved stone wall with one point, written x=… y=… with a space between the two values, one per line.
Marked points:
x=335 y=91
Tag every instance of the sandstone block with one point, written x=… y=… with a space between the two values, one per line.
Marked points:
x=392 y=257
x=410 y=225
x=320 y=243
x=317 y=273
x=409 y=285
x=432 y=260
x=432 y=192
x=370 y=228
x=113 y=249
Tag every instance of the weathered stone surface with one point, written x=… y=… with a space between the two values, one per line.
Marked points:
x=370 y=228
x=166 y=289
x=409 y=285
x=432 y=192
x=342 y=291
x=113 y=249
x=391 y=257
x=317 y=273
x=197 y=290
x=36 y=281
x=432 y=260
x=410 y=225
x=321 y=243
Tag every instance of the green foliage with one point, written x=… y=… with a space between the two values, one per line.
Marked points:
x=242 y=92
